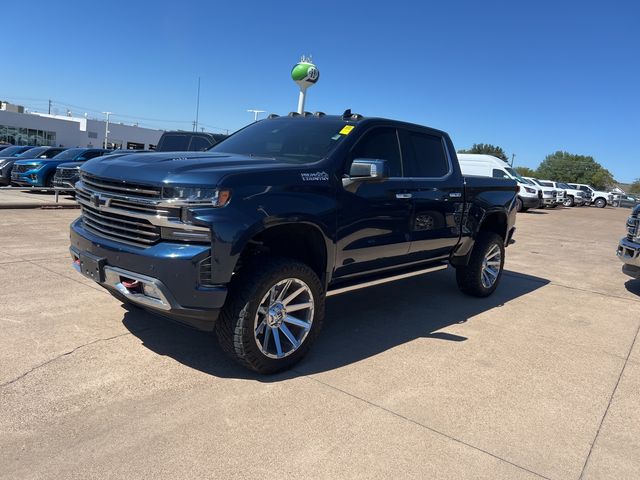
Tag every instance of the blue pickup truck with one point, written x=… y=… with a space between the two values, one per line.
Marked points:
x=39 y=170
x=248 y=238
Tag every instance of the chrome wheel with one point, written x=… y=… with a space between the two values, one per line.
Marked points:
x=284 y=318
x=491 y=266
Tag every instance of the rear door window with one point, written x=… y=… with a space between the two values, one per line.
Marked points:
x=199 y=144
x=175 y=143
x=423 y=155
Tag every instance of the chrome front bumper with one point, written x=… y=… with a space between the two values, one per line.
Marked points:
x=629 y=253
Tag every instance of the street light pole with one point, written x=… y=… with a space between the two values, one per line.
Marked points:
x=106 y=129
x=255 y=113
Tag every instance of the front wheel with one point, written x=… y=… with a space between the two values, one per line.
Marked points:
x=569 y=202
x=274 y=312
x=480 y=277
x=601 y=203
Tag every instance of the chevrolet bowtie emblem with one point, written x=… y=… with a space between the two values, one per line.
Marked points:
x=95 y=199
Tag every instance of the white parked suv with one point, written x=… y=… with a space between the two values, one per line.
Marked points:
x=549 y=195
x=529 y=194
x=596 y=197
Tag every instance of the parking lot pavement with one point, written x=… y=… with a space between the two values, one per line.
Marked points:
x=410 y=380
x=27 y=198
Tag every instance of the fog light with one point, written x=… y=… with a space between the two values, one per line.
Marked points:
x=150 y=290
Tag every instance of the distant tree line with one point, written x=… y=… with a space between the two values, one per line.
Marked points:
x=561 y=167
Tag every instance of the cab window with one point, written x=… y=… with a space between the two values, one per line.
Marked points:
x=423 y=155
x=380 y=143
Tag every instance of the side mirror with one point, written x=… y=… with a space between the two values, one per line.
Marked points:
x=369 y=169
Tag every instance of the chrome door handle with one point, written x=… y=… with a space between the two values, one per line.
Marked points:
x=403 y=195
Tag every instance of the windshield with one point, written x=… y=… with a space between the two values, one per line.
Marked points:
x=11 y=151
x=33 y=152
x=545 y=184
x=517 y=176
x=70 y=154
x=289 y=139
x=563 y=185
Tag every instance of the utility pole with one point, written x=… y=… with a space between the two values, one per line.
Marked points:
x=195 y=124
x=49 y=106
x=513 y=157
x=255 y=113
x=106 y=129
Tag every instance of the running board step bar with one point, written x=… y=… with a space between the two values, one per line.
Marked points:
x=379 y=281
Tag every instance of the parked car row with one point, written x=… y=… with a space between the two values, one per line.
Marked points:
x=534 y=192
x=48 y=167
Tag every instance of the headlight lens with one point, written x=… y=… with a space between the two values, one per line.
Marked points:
x=529 y=190
x=217 y=197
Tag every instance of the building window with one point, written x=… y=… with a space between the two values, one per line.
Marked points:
x=24 y=136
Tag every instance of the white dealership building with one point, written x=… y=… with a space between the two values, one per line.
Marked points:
x=20 y=128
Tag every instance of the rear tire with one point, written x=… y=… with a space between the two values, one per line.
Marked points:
x=243 y=328
x=487 y=253
x=519 y=205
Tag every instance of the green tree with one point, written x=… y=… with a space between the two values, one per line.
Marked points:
x=487 y=149
x=568 y=167
x=526 y=171
x=634 y=189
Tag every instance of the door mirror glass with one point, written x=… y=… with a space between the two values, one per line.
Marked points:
x=368 y=168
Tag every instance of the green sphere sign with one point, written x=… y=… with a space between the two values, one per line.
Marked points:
x=305 y=74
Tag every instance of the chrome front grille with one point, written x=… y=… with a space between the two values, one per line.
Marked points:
x=21 y=168
x=632 y=228
x=119 y=227
x=67 y=173
x=131 y=206
x=132 y=213
x=117 y=187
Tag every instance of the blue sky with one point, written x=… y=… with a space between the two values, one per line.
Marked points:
x=531 y=78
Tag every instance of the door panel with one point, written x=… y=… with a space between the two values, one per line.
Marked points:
x=373 y=226
x=374 y=218
x=437 y=194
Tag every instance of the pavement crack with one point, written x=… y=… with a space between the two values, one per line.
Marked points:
x=64 y=354
x=606 y=411
x=422 y=425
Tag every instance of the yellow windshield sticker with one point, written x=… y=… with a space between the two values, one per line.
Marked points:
x=346 y=129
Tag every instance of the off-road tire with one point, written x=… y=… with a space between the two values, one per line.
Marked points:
x=235 y=325
x=469 y=277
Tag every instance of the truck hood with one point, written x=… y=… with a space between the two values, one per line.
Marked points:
x=187 y=168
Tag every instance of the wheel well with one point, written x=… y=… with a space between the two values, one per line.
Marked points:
x=300 y=241
x=496 y=223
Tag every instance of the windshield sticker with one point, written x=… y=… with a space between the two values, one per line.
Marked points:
x=346 y=130
x=315 y=177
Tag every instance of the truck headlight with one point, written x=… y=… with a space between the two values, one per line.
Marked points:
x=217 y=197
x=529 y=190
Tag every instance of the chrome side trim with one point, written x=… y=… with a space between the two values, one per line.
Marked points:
x=380 y=281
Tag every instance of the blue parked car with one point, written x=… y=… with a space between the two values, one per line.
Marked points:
x=39 y=171
x=8 y=156
x=67 y=174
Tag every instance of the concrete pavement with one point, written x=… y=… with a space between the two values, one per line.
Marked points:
x=408 y=380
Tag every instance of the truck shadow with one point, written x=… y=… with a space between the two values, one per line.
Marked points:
x=358 y=325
